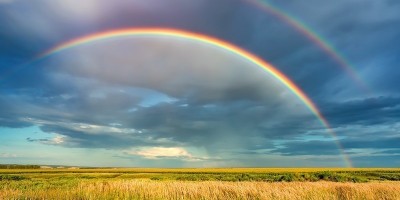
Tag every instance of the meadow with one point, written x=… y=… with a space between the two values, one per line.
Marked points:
x=208 y=183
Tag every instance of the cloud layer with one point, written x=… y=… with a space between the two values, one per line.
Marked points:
x=178 y=100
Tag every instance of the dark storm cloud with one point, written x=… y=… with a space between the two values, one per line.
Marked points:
x=100 y=139
x=102 y=106
x=368 y=112
x=391 y=151
x=318 y=147
x=373 y=143
x=308 y=148
x=179 y=122
x=205 y=126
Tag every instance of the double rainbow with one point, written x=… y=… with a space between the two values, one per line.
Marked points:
x=212 y=42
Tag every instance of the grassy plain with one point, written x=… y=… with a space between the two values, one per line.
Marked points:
x=217 y=183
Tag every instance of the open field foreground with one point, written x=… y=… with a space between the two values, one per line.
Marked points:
x=232 y=183
x=148 y=189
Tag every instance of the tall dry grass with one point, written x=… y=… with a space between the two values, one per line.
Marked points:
x=146 y=189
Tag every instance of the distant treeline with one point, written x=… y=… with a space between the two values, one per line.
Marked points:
x=19 y=166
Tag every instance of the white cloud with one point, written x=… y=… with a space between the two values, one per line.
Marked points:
x=162 y=152
x=86 y=128
x=96 y=129
x=58 y=139
x=7 y=155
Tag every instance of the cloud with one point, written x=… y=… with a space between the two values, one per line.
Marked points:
x=369 y=111
x=364 y=144
x=8 y=155
x=162 y=152
x=375 y=143
x=125 y=99
x=195 y=105
x=314 y=147
x=57 y=140
x=390 y=151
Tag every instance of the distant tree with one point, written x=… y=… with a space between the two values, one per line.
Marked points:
x=13 y=166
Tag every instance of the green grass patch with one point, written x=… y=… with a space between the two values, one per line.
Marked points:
x=230 y=174
x=6 y=177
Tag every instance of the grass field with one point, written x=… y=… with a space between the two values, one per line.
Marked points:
x=231 y=183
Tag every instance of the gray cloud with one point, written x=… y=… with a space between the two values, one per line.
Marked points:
x=369 y=111
x=226 y=103
x=313 y=147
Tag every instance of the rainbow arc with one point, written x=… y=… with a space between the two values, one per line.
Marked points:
x=271 y=70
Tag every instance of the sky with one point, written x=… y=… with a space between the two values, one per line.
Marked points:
x=163 y=101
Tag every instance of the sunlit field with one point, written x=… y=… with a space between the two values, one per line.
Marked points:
x=218 y=183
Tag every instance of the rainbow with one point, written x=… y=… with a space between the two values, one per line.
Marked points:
x=212 y=42
x=314 y=37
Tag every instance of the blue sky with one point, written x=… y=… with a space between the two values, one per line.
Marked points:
x=166 y=102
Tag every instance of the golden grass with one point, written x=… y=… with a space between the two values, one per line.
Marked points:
x=161 y=183
x=147 y=189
